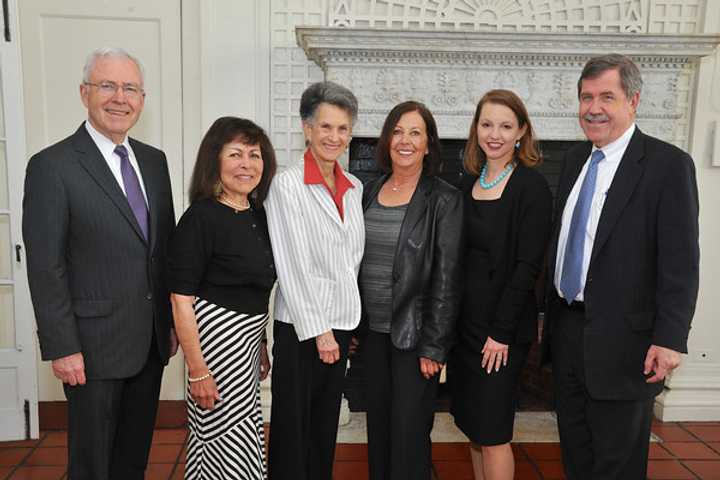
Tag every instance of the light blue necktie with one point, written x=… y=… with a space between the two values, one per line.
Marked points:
x=571 y=278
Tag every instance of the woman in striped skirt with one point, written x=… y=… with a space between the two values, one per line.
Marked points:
x=220 y=274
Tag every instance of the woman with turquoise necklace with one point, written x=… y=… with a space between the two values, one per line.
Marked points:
x=508 y=208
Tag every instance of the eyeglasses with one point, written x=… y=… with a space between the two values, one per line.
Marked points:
x=108 y=89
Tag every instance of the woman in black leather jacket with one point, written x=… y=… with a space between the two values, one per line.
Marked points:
x=410 y=288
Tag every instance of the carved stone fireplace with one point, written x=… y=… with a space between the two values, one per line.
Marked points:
x=450 y=70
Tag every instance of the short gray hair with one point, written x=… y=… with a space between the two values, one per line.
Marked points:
x=327 y=92
x=630 y=78
x=109 y=52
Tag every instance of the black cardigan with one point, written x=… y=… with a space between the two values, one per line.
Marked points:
x=522 y=224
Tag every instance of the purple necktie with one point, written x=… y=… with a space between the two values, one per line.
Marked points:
x=132 y=189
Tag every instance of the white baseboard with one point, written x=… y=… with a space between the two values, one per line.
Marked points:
x=688 y=405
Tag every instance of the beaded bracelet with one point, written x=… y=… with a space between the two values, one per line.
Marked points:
x=199 y=379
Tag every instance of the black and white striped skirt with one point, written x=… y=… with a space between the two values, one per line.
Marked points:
x=228 y=442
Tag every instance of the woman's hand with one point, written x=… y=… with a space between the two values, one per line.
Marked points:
x=495 y=355
x=328 y=348
x=205 y=393
x=264 y=361
x=429 y=367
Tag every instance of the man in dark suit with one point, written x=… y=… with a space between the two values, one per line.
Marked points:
x=97 y=214
x=623 y=266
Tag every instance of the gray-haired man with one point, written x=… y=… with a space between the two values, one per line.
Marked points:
x=623 y=277
x=97 y=216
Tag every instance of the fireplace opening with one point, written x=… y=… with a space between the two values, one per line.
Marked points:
x=535 y=388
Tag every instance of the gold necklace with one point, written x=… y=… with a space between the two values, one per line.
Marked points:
x=396 y=187
x=238 y=207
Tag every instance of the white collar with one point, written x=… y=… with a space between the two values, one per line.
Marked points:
x=611 y=150
x=103 y=142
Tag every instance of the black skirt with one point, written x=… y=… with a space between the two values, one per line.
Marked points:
x=483 y=404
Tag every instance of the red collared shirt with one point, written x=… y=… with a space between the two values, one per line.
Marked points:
x=312 y=176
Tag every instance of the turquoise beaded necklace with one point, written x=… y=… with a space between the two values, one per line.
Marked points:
x=483 y=175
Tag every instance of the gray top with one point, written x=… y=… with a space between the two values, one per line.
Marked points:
x=382 y=229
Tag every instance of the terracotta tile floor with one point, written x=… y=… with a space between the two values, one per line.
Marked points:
x=687 y=451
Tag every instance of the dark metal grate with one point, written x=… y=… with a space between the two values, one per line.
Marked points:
x=362 y=159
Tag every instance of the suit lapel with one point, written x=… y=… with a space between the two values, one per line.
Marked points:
x=416 y=209
x=93 y=162
x=572 y=168
x=322 y=196
x=149 y=177
x=623 y=185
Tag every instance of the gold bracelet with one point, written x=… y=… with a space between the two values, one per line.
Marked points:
x=200 y=379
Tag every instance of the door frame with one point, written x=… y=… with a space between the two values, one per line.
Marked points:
x=23 y=357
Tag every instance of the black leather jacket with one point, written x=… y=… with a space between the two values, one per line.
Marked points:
x=427 y=272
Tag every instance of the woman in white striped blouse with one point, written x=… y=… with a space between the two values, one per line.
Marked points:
x=315 y=220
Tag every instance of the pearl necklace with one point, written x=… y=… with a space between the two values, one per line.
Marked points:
x=483 y=175
x=238 y=207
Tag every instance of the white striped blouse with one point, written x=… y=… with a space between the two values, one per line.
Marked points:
x=317 y=254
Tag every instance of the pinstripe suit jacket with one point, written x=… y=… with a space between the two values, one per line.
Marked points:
x=317 y=254
x=97 y=285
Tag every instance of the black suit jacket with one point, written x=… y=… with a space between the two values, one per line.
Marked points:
x=522 y=227
x=97 y=285
x=642 y=281
x=426 y=270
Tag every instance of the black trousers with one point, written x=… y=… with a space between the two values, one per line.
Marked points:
x=306 y=397
x=111 y=422
x=600 y=439
x=400 y=411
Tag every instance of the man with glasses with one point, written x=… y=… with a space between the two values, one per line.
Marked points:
x=97 y=214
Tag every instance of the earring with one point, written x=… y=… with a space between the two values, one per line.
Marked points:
x=218 y=188
x=517 y=144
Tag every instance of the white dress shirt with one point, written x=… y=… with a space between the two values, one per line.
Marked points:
x=317 y=254
x=107 y=149
x=606 y=172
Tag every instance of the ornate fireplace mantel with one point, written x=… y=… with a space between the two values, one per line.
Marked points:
x=450 y=70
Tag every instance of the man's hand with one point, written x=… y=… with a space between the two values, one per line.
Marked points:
x=173 y=343
x=328 y=348
x=661 y=361
x=70 y=369
x=429 y=367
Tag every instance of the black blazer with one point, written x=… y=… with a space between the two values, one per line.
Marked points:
x=97 y=286
x=522 y=226
x=642 y=281
x=426 y=271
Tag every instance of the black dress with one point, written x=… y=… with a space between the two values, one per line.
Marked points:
x=223 y=258
x=505 y=242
